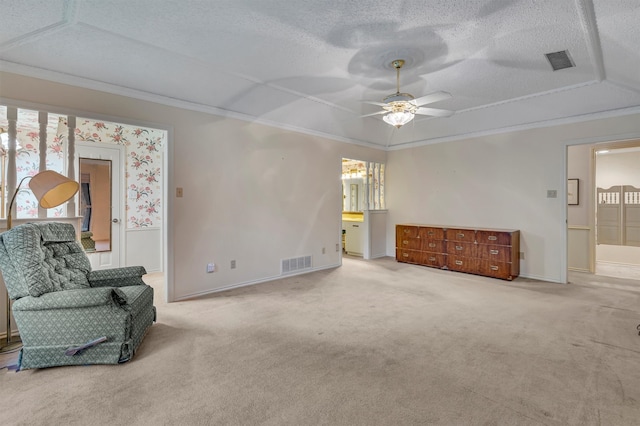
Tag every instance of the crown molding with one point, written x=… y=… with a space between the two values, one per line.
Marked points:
x=85 y=83
x=75 y=81
x=521 y=127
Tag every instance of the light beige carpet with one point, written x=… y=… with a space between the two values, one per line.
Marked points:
x=370 y=343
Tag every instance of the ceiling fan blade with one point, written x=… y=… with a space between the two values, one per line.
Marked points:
x=431 y=98
x=435 y=112
x=374 y=113
x=374 y=103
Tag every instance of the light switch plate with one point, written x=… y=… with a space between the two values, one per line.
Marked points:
x=552 y=193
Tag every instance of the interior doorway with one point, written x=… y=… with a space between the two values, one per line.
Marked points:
x=364 y=213
x=603 y=208
x=101 y=177
x=354 y=174
x=617 y=209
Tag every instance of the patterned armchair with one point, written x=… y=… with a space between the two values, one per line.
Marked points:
x=59 y=303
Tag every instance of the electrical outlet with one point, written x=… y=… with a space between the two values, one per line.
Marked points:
x=552 y=193
x=233 y=264
x=211 y=267
x=179 y=192
x=323 y=250
x=337 y=246
x=521 y=255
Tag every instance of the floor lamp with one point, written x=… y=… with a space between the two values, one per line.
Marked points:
x=50 y=189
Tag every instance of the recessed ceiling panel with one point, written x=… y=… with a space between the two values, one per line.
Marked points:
x=310 y=64
x=618 y=23
x=571 y=104
x=21 y=18
x=115 y=60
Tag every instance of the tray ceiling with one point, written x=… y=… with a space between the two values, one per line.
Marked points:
x=307 y=65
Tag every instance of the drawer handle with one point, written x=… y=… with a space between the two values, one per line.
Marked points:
x=356 y=226
x=432 y=244
x=493 y=238
x=461 y=235
x=406 y=231
x=494 y=268
x=458 y=262
x=430 y=233
x=494 y=251
x=459 y=247
x=405 y=254
x=405 y=242
x=432 y=259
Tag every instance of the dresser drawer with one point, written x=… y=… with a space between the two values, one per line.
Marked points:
x=494 y=253
x=410 y=243
x=433 y=246
x=496 y=269
x=431 y=233
x=468 y=235
x=494 y=237
x=462 y=264
x=436 y=260
x=410 y=256
x=406 y=231
x=460 y=248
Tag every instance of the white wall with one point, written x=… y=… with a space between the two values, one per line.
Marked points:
x=618 y=168
x=580 y=218
x=376 y=246
x=579 y=166
x=497 y=181
x=257 y=194
x=144 y=247
x=252 y=193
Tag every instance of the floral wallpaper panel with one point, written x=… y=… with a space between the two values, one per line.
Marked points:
x=143 y=168
x=143 y=161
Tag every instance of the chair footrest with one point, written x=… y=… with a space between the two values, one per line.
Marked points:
x=47 y=356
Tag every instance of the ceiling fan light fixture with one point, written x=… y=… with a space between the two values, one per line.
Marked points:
x=400 y=108
x=398 y=118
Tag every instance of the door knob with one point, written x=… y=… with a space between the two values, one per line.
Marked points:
x=114 y=220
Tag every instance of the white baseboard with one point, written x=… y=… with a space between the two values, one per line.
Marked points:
x=253 y=282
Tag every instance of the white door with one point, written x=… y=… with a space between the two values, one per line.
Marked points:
x=100 y=176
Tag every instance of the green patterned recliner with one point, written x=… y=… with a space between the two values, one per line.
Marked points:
x=60 y=303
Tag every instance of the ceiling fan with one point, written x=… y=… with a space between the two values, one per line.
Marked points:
x=400 y=108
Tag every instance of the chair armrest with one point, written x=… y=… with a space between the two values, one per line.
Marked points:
x=117 y=277
x=72 y=299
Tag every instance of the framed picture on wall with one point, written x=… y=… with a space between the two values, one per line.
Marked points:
x=573 y=185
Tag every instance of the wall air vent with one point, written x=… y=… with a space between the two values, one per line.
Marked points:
x=560 y=60
x=295 y=264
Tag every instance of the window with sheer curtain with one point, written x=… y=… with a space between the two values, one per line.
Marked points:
x=28 y=157
x=375 y=183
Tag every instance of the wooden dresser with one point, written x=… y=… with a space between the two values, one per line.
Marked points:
x=489 y=252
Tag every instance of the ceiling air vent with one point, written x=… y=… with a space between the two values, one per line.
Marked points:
x=560 y=60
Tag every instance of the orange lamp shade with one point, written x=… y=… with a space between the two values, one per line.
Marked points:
x=52 y=189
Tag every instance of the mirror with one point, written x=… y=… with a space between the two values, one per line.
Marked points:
x=353 y=198
x=95 y=204
x=353 y=195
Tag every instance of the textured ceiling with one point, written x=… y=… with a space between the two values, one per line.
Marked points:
x=307 y=65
